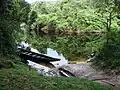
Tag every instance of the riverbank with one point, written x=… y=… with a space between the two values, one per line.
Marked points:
x=15 y=75
x=85 y=70
x=20 y=78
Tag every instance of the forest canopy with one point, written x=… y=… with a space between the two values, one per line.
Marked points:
x=76 y=14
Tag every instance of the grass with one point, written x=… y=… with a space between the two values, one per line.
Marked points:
x=20 y=78
x=15 y=75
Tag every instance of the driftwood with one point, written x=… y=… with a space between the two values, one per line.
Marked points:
x=106 y=78
x=110 y=83
x=66 y=73
x=63 y=74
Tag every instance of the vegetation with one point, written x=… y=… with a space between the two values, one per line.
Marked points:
x=70 y=46
x=15 y=75
x=83 y=16
x=22 y=78
x=73 y=27
x=95 y=19
x=109 y=54
x=11 y=12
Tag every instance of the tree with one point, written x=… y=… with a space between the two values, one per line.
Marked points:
x=10 y=20
x=108 y=56
x=31 y=20
x=20 y=10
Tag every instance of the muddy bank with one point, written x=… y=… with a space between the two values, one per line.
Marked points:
x=85 y=70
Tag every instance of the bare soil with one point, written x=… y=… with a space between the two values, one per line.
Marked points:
x=85 y=70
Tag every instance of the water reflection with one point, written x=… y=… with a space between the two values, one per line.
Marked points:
x=35 y=50
x=53 y=53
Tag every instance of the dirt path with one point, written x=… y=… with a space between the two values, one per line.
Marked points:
x=85 y=70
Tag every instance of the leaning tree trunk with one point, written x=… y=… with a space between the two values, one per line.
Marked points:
x=109 y=22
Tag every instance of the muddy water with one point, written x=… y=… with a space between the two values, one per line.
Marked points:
x=78 y=59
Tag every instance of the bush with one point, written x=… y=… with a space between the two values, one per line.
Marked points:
x=109 y=55
x=7 y=35
x=9 y=61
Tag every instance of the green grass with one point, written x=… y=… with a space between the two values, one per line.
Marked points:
x=20 y=78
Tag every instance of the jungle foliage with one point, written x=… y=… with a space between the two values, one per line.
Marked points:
x=75 y=14
x=22 y=21
x=12 y=13
x=85 y=15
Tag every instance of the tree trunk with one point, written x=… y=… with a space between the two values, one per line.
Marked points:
x=109 y=22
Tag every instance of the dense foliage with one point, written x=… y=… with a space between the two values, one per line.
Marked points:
x=70 y=46
x=74 y=14
x=85 y=15
x=22 y=21
x=109 y=54
x=98 y=20
x=11 y=15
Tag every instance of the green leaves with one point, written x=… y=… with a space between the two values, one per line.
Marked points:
x=14 y=12
x=70 y=14
x=20 y=10
x=32 y=17
x=8 y=35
